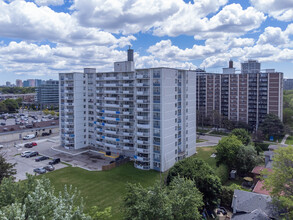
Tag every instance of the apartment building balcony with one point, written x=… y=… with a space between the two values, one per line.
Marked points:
x=145 y=93
x=127 y=134
x=111 y=91
x=69 y=141
x=126 y=92
x=142 y=109
x=142 y=84
x=127 y=99
x=142 y=101
x=69 y=91
x=111 y=78
x=142 y=159
x=111 y=85
x=142 y=117
x=112 y=105
x=127 y=78
x=99 y=142
x=111 y=98
x=111 y=139
x=111 y=125
x=156 y=84
x=142 y=76
x=126 y=119
x=143 y=142
x=143 y=126
x=110 y=145
x=99 y=85
x=140 y=149
x=127 y=127
x=128 y=141
x=126 y=113
x=142 y=134
x=127 y=84
x=141 y=167
x=68 y=84
x=69 y=111
x=111 y=132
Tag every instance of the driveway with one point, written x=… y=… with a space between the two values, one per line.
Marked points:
x=210 y=141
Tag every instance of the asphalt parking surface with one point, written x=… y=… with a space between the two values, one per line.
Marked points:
x=89 y=160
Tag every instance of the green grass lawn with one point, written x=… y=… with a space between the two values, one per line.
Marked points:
x=219 y=133
x=102 y=188
x=200 y=140
x=205 y=154
x=202 y=130
x=289 y=140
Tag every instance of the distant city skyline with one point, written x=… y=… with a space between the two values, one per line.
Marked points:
x=65 y=36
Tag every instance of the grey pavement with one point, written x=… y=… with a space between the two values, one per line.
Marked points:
x=284 y=139
x=210 y=140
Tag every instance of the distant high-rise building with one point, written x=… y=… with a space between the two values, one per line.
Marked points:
x=8 y=83
x=240 y=97
x=147 y=114
x=38 y=82
x=288 y=84
x=47 y=94
x=18 y=83
x=29 y=83
x=250 y=66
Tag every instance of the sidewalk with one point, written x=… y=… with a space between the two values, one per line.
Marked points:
x=284 y=139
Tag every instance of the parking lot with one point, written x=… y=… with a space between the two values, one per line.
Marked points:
x=24 y=118
x=89 y=160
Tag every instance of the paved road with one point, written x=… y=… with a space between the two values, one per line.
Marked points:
x=284 y=139
x=210 y=141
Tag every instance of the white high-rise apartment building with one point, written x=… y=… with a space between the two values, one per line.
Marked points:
x=146 y=114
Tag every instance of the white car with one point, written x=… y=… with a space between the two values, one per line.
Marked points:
x=23 y=154
x=1 y=146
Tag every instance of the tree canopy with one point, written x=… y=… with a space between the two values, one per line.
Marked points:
x=242 y=135
x=36 y=199
x=203 y=176
x=246 y=159
x=280 y=180
x=227 y=150
x=6 y=169
x=272 y=126
x=180 y=200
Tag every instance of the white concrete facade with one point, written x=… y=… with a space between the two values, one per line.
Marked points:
x=147 y=114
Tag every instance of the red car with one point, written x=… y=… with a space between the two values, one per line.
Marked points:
x=34 y=144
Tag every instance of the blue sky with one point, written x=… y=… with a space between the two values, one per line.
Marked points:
x=40 y=38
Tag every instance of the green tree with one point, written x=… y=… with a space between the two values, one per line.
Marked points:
x=272 y=126
x=11 y=105
x=246 y=159
x=227 y=150
x=203 y=176
x=185 y=198
x=6 y=169
x=3 y=108
x=279 y=181
x=180 y=200
x=242 y=135
x=146 y=203
x=36 y=199
x=97 y=214
x=227 y=194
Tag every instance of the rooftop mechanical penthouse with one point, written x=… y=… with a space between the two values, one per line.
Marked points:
x=146 y=114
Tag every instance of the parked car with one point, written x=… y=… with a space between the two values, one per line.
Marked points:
x=34 y=144
x=1 y=146
x=41 y=158
x=45 y=134
x=28 y=145
x=29 y=126
x=32 y=154
x=55 y=161
x=40 y=170
x=49 y=168
x=2 y=123
x=23 y=154
x=29 y=136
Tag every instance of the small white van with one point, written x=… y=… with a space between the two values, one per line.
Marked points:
x=29 y=136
